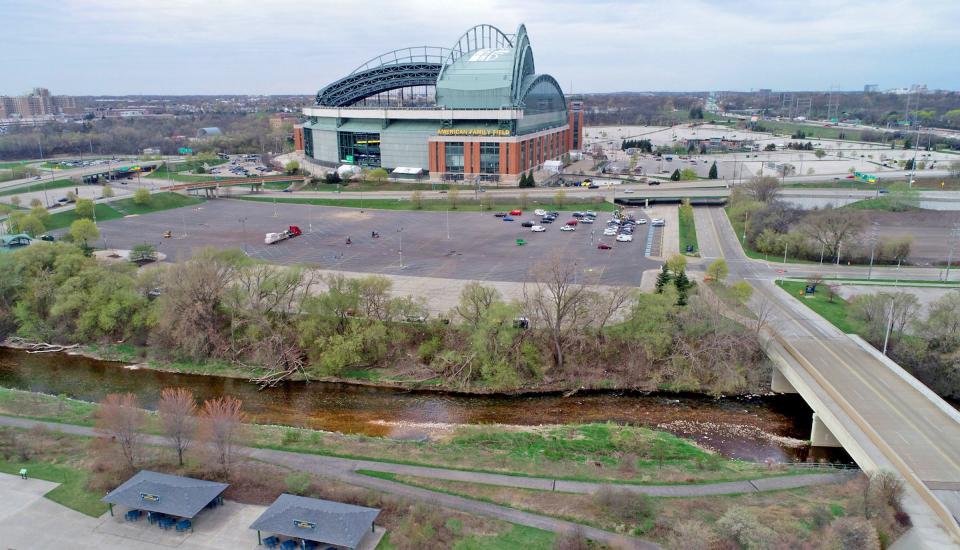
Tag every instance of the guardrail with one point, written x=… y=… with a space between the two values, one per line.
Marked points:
x=949 y=522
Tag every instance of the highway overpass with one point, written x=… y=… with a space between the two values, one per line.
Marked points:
x=883 y=417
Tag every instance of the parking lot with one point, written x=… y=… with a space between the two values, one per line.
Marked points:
x=480 y=246
x=242 y=166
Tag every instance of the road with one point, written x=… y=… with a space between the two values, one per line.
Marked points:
x=909 y=428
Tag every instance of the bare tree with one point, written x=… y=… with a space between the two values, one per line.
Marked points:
x=221 y=425
x=121 y=418
x=177 y=410
x=607 y=304
x=763 y=309
x=763 y=188
x=475 y=301
x=571 y=539
x=884 y=311
x=558 y=303
x=832 y=226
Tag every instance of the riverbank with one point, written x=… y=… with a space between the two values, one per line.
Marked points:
x=578 y=452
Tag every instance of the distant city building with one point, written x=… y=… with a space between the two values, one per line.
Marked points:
x=38 y=103
x=279 y=120
x=871 y=88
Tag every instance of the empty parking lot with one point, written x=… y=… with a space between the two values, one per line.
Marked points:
x=479 y=246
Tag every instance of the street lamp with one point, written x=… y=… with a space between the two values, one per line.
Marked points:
x=243 y=231
x=955 y=234
x=873 y=248
x=400 y=231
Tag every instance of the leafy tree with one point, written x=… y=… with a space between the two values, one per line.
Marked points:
x=16 y=200
x=453 y=196
x=291 y=167
x=41 y=214
x=819 y=153
x=688 y=174
x=696 y=112
x=37 y=203
x=107 y=191
x=662 y=278
x=84 y=208
x=379 y=175
x=71 y=196
x=559 y=198
x=675 y=176
x=141 y=196
x=523 y=180
x=718 y=270
x=713 y=171
x=28 y=224
x=683 y=285
x=83 y=232
x=416 y=199
x=770 y=147
x=676 y=263
x=909 y=164
x=143 y=253
x=530 y=181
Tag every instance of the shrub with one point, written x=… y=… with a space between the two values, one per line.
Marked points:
x=298 y=483
x=851 y=533
x=429 y=349
x=742 y=525
x=571 y=539
x=625 y=505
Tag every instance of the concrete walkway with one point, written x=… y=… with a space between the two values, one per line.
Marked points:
x=345 y=470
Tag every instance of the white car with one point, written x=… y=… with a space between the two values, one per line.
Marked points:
x=624 y=238
x=568 y=228
x=641 y=221
x=540 y=212
x=590 y=213
x=628 y=191
x=610 y=231
x=538 y=229
x=586 y=220
x=657 y=222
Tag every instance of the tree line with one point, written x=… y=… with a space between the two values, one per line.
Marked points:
x=277 y=323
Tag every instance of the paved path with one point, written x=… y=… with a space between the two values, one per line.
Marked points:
x=344 y=470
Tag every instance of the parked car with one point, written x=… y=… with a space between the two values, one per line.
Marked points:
x=593 y=186
x=527 y=224
x=507 y=219
x=586 y=220
x=540 y=212
x=604 y=246
x=500 y=215
x=657 y=222
x=591 y=213
x=628 y=191
x=547 y=220
x=516 y=212
x=642 y=221
x=610 y=231
x=624 y=238
x=538 y=229
x=654 y=182
x=568 y=228
x=572 y=222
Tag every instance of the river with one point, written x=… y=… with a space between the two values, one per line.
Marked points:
x=751 y=428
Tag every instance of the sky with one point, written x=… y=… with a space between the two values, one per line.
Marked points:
x=126 y=47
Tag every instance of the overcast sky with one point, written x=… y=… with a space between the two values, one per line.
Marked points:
x=99 y=47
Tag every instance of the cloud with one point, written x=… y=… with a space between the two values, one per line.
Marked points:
x=244 y=46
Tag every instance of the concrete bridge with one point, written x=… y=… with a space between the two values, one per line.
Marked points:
x=862 y=401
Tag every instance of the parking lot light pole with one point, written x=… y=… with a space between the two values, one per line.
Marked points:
x=243 y=231
x=400 y=231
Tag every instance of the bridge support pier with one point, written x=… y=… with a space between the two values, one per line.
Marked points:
x=820 y=435
x=780 y=384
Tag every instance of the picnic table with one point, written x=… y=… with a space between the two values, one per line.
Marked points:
x=271 y=542
x=133 y=515
x=184 y=525
x=289 y=544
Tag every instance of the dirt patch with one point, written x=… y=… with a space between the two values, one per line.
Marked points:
x=930 y=230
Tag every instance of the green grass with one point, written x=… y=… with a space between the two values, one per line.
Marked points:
x=41 y=406
x=432 y=205
x=72 y=491
x=64 y=219
x=40 y=186
x=836 y=312
x=14 y=164
x=158 y=202
x=688 y=231
x=519 y=536
x=886 y=204
x=891 y=282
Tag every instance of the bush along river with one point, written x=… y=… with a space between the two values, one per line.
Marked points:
x=757 y=428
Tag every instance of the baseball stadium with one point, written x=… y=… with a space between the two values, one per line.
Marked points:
x=475 y=112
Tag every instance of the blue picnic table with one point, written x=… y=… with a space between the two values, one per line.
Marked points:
x=271 y=542
x=289 y=544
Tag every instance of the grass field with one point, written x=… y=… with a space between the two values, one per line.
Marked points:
x=72 y=491
x=436 y=205
x=158 y=202
x=39 y=186
x=835 y=311
x=688 y=232
x=64 y=219
x=812 y=132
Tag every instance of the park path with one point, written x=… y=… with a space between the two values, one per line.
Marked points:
x=345 y=470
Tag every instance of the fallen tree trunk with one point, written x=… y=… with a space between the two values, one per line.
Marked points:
x=38 y=347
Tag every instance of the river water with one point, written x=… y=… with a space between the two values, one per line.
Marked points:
x=755 y=428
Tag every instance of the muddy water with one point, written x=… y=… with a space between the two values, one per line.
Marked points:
x=758 y=428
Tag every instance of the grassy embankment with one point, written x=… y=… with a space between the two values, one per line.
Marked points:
x=38 y=187
x=184 y=171
x=688 y=232
x=588 y=452
x=798 y=516
x=812 y=132
x=438 y=205
x=834 y=311
x=125 y=207
x=752 y=253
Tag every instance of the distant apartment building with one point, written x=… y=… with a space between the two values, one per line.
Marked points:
x=871 y=88
x=38 y=103
x=279 y=120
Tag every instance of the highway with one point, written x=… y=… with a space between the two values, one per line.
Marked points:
x=916 y=434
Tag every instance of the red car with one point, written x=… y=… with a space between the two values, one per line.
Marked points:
x=516 y=213
x=572 y=222
x=604 y=246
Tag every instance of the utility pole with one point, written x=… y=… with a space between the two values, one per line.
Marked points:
x=886 y=337
x=400 y=231
x=838 y=259
x=873 y=248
